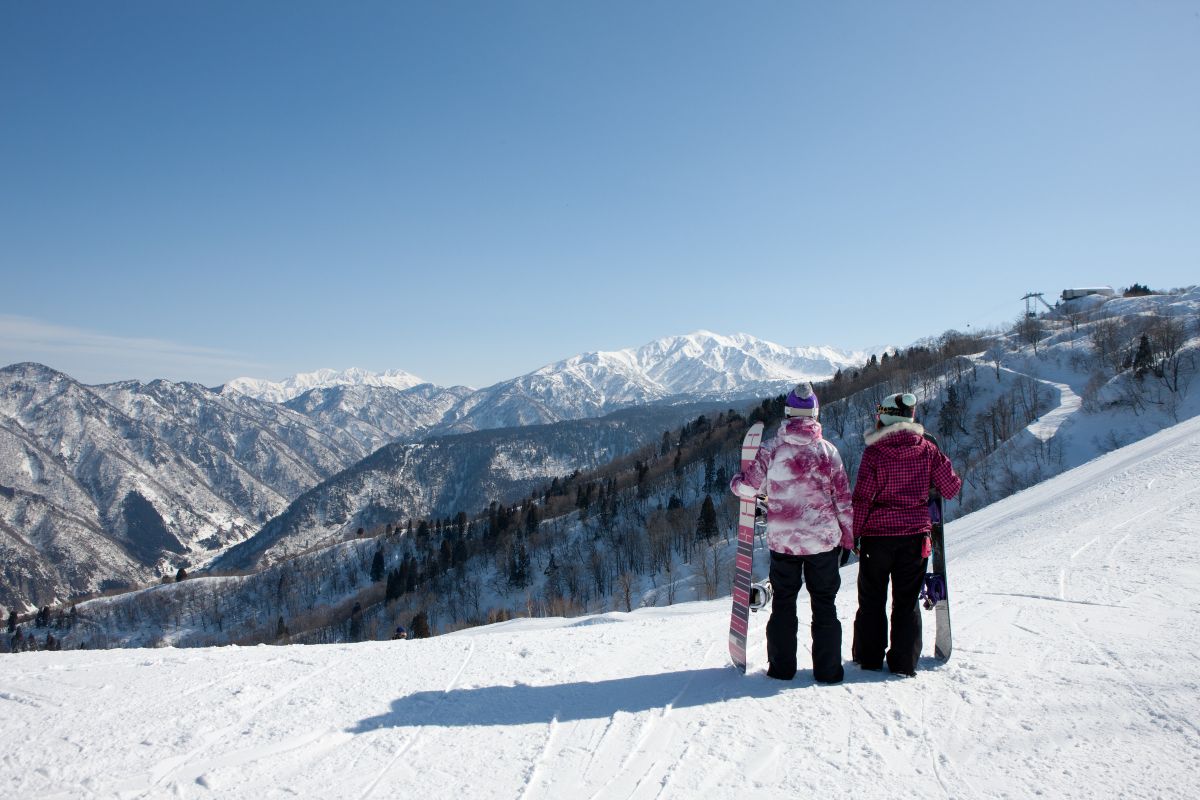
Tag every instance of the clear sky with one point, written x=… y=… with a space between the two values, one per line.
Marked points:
x=468 y=191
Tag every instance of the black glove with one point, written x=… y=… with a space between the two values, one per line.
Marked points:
x=845 y=558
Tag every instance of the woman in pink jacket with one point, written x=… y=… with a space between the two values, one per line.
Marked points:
x=809 y=527
x=891 y=530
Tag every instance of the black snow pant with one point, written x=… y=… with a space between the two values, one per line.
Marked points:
x=788 y=574
x=899 y=559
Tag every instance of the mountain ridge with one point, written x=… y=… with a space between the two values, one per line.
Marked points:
x=649 y=364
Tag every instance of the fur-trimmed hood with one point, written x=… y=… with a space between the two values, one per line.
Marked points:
x=878 y=434
x=897 y=469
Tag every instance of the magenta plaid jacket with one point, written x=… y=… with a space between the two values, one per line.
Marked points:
x=808 y=493
x=898 y=468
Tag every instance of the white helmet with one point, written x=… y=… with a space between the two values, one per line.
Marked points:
x=899 y=407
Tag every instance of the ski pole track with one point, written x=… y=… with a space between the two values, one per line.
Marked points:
x=409 y=741
x=169 y=767
x=647 y=729
x=31 y=699
x=542 y=758
x=655 y=718
x=412 y=739
x=466 y=660
x=596 y=745
x=930 y=749
x=1156 y=708
x=673 y=767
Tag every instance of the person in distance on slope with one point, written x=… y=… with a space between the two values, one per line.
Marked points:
x=891 y=532
x=809 y=534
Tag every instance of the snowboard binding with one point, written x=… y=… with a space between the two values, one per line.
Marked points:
x=934 y=590
x=760 y=595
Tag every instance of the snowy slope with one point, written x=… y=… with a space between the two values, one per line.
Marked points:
x=1074 y=675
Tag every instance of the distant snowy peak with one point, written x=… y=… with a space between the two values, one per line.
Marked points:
x=705 y=363
x=293 y=387
x=700 y=366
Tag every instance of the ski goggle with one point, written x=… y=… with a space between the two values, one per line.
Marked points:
x=899 y=405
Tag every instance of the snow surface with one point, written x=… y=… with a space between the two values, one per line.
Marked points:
x=1076 y=673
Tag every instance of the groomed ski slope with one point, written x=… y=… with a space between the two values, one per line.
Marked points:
x=1076 y=673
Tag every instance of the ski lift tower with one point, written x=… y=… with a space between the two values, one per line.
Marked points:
x=1029 y=298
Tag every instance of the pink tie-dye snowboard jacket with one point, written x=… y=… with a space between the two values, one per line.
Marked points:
x=809 y=509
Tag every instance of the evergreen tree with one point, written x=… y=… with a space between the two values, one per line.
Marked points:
x=281 y=630
x=643 y=490
x=394 y=586
x=181 y=575
x=356 y=623
x=12 y=619
x=1143 y=360
x=518 y=567
x=409 y=571
x=419 y=629
x=706 y=526
x=950 y=419
x=377 y=566
x=461 y=553
x=583 y=500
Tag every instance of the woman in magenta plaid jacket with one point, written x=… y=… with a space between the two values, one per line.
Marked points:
x=891 y=532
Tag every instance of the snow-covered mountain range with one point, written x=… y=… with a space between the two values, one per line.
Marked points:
x=701 y=366
x=376 y=415
x=106 y=485
x=290 y=388
x=114 y=484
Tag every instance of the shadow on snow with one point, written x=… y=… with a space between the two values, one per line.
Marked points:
x=523 y=704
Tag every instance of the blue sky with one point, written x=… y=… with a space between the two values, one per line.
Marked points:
x=467 y=191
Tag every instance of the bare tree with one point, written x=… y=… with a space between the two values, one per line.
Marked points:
x=625 y=583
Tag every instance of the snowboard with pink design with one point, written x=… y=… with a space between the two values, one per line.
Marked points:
x=743 y=568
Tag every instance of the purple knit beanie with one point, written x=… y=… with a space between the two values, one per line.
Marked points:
x=801 y=402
